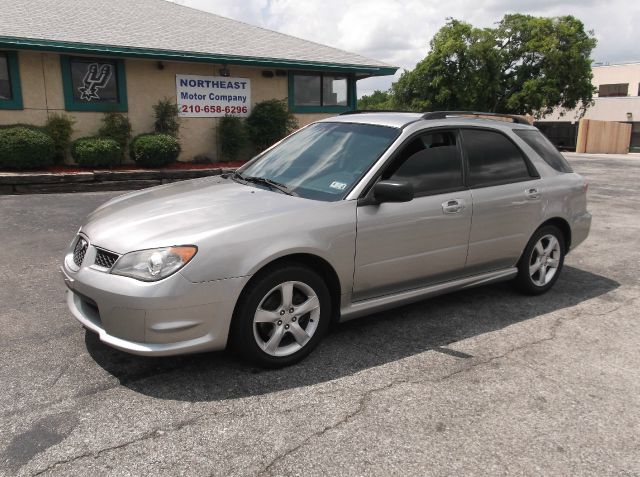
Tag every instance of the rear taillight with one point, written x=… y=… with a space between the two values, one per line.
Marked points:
x=585 y=188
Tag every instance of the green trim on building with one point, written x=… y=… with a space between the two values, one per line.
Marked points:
x=351 y=96
x=67 y=87
x=169 y=55
x=14 y=78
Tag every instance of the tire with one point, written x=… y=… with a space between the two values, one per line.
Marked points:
x=542 y=261
x=286 y=330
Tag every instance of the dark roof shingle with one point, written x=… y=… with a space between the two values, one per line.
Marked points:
x=160 y=25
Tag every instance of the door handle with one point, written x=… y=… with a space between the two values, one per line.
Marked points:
x=532 y=193
x=453 y=206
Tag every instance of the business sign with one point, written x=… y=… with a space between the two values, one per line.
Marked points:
x=213 y=96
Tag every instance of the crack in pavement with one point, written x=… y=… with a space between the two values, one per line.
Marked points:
x=63 y=370
x=362 y=403
x=153 y=434
x=359 y=408
x=112 y=383
x=368 y=395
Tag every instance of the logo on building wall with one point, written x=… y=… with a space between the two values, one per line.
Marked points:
x=95 y=79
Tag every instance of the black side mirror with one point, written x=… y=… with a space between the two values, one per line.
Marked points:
x=392 y=191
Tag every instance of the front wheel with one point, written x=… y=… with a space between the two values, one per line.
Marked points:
x=282 y=316
x=542 y=261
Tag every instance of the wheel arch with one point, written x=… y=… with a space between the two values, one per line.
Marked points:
x=308 y=260
x=558 y=222
x=564 y=227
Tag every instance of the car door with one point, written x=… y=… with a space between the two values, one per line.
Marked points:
x=506 y=192
x=406 y=245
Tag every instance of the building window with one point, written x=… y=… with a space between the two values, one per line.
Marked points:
x=10 y=92
x=610 y=90
x=93 y=84
x=334 y=90
x=321 y=92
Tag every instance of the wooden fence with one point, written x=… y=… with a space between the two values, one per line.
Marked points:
x=604 y=137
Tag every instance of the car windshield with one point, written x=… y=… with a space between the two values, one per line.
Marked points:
x=324 y=160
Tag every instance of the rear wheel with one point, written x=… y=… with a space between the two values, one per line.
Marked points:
x=542 y=261
x=282 y=316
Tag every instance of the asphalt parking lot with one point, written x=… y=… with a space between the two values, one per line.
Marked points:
x=480 y=382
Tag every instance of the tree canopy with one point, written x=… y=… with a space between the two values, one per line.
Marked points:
x=376 y=100
x=525 y=65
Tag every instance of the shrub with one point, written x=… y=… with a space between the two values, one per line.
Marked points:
x=25 y=148
x=269 y=122
x=96 y=152
x=232 y=135
x=60 y=128
x=166 y=114
x=154 y=150
x=31 y=127
x=117 y=127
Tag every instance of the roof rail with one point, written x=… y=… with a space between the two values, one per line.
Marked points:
x=446 y=114
x=358 y=111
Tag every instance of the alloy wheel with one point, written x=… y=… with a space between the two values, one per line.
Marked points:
x=544 y=260
x=286 y=318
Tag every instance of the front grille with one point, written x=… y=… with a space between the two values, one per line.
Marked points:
x=79 y=251
x=105 y=259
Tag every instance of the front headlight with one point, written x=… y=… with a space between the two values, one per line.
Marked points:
x=154 y=264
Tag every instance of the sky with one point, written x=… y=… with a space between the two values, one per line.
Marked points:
x=398 y=31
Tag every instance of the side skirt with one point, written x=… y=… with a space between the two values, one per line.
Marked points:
x=357 y=309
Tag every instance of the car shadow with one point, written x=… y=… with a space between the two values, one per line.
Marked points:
x=350 y=347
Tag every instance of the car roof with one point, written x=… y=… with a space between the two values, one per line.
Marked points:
x=397 y=120
x=402 y=119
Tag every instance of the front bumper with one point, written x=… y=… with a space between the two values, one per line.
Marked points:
x=168 y=317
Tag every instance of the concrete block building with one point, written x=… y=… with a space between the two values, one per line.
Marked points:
x=617 y=98
x=85 y=58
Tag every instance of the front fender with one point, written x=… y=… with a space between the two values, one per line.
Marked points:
x=327 y=231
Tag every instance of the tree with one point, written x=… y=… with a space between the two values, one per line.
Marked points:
x=525 y=65
x=377 y=100
x=167 y=121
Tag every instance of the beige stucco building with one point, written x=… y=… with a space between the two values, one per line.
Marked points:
x=617 y=98
x=87 y=58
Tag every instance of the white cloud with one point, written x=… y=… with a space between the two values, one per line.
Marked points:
x=398 y=31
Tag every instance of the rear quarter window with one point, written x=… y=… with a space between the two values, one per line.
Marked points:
x=493 y=158
x=547 y=151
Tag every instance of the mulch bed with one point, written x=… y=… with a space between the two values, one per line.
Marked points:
x=184 y=166
x=84 y=179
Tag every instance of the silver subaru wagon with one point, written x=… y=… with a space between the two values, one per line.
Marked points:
x=347 y=216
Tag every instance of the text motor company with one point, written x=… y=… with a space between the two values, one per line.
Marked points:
x=213 y=96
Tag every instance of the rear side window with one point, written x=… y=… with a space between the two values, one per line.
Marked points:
x=493 y=158
x=431 y=163
x=544 y=148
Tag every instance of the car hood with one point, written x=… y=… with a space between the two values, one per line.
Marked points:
x=184 y=213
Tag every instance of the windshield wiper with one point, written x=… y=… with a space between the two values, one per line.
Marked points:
x=236 y=175
x=268 y=182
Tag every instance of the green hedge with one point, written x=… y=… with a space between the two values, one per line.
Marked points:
x=232 y=137
x=154 y=150
x=96 y=152
x=269 y=122
x=25 y=148
x=60 y=128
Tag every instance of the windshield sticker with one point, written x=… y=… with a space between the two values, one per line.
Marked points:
x=338 y=185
